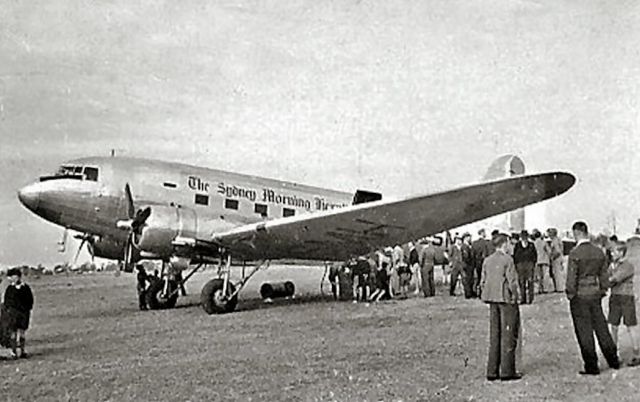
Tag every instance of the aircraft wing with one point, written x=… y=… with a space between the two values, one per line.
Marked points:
x=338 y=234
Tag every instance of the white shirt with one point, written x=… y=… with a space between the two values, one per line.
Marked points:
x=581 y=241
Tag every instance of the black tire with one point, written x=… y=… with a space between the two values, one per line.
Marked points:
x=155 y=302
x=210 y=297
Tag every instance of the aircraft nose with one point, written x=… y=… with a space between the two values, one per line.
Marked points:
x=29 y=196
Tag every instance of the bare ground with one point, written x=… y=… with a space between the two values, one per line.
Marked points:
x=90 y=343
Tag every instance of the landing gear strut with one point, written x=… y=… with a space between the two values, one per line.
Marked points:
x=163 y=293
x=219 y=295
x=158 y=299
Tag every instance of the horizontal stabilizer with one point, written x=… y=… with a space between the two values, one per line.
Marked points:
x=362 y=196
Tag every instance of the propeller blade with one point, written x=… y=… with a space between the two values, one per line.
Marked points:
x=138 y=222
x=75 y=259
x=131 y=209
x=128 y=254
x=91 y=249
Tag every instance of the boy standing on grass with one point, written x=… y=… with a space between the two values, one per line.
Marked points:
x=18 y=301
x=622 y=302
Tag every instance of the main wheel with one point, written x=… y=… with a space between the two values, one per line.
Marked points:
x=155 y=298
x=212 y=299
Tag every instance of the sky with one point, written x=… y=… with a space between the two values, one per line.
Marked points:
x=401 y=97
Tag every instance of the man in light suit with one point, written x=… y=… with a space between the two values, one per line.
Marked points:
x=542 y=273
x=587 y=282
x=427 y=265
x=500 y=289
x=555 y=255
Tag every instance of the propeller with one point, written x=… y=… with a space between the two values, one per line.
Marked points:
x=135 y=224
x=89 y=240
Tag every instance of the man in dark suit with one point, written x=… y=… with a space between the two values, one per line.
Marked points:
x=587 y=283
x=525 y=257
x=468 y=267
x=480 y=251
x=457 y=264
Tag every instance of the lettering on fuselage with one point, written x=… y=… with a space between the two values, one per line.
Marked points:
x=235 y=191
x=267 y=195
x=196 y=183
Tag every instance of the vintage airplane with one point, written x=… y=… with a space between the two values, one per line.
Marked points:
x=130 y=209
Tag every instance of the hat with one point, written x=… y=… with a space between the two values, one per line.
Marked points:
x=14 y=271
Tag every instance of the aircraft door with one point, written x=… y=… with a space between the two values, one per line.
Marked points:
x=187 y=222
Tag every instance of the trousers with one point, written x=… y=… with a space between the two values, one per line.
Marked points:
x=428 y=283
x=543 y=278
x=588 y=319
x=558 y=274
x=468 y=282
x=504 y=323
x=142 y=299
x=456 y=272
x=478 y=277
x=525 y=281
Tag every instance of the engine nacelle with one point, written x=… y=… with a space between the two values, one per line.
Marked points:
x=110 y=248
x=179 y=263
x=161 y=227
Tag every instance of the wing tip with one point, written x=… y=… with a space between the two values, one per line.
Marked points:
x=557 y=183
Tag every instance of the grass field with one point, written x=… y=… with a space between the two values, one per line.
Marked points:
x=89 y=342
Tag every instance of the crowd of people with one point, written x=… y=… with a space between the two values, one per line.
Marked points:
x=399 y=271
x=506 y=271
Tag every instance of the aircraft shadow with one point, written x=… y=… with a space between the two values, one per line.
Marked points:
x=259 y=304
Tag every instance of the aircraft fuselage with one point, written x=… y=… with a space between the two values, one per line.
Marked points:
x=87 y=195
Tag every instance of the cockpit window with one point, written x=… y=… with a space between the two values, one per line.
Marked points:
x=91 y=173
x=65 y=171
x=74 y=172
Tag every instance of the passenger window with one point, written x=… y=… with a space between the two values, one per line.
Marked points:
x=288 y=212
x=231 y=204
x=77 y=170
x=202 y=199
x=260 y=209
x=91 y=173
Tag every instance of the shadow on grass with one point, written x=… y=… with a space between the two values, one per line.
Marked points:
x=259 y=304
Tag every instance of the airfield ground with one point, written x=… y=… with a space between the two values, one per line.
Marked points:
x=89 y=342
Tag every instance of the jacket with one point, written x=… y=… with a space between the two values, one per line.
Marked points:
x=525 y=254
x=543 y=251
x=428 y=257
x=555 y=249
x=499 y=280
x=621 y=278
x=587 y=273
x=480 y=250
x=456 y=258
x=19 y=298
x=414 y=257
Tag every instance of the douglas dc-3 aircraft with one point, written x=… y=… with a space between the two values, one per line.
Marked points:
x=130 y=209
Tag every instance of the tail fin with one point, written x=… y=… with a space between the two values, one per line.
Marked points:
x=503 y=167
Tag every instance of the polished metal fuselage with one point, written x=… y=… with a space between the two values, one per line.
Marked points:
x=212 y=201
